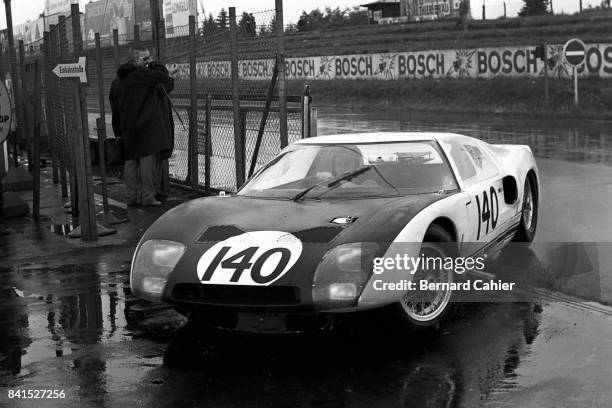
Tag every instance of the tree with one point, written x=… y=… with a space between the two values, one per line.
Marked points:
x=209 y=25
x=534 y=7
x=331 y=18
x=223 y=20
x=247 y=25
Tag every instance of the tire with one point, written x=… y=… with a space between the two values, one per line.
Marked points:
x=416 y=313
x=529 y=214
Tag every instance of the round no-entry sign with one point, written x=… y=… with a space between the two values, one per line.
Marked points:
x=5 y=112
x=574 y=51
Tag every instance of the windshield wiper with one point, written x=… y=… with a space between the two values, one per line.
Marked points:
x=333 y=182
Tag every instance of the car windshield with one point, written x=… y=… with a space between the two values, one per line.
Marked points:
x=306 y=171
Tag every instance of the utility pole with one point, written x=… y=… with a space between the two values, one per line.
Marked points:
x=155 y=19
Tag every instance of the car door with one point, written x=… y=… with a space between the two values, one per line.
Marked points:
x=481 y=179
x=491 y=214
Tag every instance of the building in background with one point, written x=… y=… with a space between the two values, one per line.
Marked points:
x=54 y=9
x=382 y=9
x=404 y=11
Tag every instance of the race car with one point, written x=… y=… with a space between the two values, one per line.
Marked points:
x=298 y=246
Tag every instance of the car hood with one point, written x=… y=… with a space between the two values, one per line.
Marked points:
x=222 y=231
x=216 y=218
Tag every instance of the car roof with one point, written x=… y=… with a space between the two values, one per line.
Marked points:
x=373 y=137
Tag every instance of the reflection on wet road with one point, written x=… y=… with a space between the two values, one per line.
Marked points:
x=64 y=325
x=70 y=322
x=551 y=138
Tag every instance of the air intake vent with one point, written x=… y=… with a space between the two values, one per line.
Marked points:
x=220 y=233
x=318 y=234
x=236 y=294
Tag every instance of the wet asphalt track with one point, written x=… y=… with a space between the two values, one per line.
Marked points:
x=69 y=322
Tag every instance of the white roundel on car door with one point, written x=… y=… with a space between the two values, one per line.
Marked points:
x=252 y=258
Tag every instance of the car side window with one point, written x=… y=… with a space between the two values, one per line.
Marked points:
x=485 y=167
x=465 y=167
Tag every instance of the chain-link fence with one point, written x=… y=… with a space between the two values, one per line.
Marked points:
x=228 y=101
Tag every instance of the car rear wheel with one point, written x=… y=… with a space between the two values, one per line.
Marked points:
x=529 y=214
x=428 y=309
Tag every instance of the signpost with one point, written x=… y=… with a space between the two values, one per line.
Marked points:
x=575 y=54
x=72 y=70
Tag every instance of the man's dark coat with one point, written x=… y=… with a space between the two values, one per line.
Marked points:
x=139 y=115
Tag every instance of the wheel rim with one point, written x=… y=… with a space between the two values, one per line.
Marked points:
x=426 y=305
x=528 y=207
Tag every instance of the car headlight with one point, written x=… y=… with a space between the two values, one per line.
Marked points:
x=342 y=273
x=152 y=263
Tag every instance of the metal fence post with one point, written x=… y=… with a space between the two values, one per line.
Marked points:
x=239 y=144
x=87 y=218
x=280 y=60
x=109 y=217
x=545 y=76
x=69 y=148
x=53 y=95
x=24 y=108
x=50 y=116
x=36 y=144
x=306 y=101
x=207 y=142
x=116 y=48
x=193 y=112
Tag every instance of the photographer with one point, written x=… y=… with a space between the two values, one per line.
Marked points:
x=141 y=120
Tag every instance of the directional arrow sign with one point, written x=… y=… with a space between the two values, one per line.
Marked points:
x=72 y=70
x=574 y=51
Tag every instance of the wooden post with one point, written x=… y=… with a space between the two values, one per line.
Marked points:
x=193 y=112
x=36 y=145
x=136 y=33
x=50 y=114
x=239 y=144
x=280 y=63
x=87 y=218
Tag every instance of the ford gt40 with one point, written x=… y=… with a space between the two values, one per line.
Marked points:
x=297 y=245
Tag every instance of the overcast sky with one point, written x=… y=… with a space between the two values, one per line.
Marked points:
x=30 y=9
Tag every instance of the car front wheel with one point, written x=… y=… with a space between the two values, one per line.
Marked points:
x=429 y=309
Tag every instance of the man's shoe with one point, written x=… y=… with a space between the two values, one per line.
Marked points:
x=133 y=202
x=151 y=202
x=161 y=197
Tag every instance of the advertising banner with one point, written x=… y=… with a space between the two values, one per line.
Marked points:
x=176 y=14
x=459 y=63
x=432 y=9
x=103 y=16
